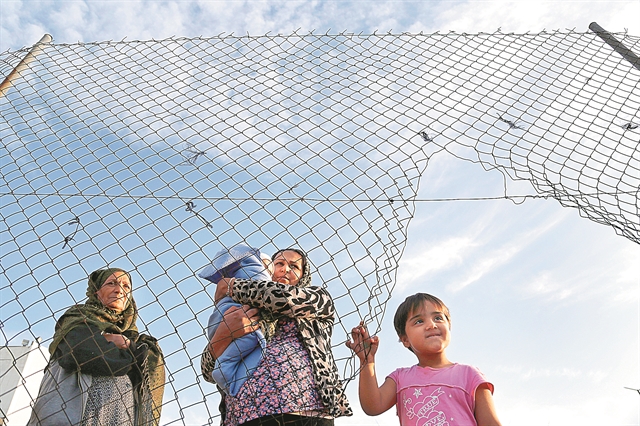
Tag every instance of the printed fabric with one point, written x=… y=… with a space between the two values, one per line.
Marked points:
x=437 y=396
x=283 y=382
x=109 y=402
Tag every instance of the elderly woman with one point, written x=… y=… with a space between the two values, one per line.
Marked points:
x=101 y=371
x=296 y=382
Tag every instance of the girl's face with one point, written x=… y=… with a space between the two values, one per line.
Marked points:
x=288 y=267
x=427 y=330
x=115 y=291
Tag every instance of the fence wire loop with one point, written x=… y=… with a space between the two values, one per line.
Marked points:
x=171 y=150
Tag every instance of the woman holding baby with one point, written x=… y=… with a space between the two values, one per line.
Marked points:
x=295 y=382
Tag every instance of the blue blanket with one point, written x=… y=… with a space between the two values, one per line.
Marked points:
x=243 y=355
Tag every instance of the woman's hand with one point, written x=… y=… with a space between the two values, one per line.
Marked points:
x=363 y=345
x=237 y=322
x=240 y=320
x=119 y=340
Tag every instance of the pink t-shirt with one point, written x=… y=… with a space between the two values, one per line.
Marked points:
x=437 y=396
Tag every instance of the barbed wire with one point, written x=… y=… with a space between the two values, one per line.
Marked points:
x=153 y=155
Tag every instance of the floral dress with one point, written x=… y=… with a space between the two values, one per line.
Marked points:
x=282 y=383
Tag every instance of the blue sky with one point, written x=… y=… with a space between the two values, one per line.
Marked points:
x=546 y=303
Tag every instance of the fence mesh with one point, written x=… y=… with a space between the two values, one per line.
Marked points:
x=154 y=155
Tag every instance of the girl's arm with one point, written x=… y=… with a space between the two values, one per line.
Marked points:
x=373 y=399
x=284 y=299
x=485 y=412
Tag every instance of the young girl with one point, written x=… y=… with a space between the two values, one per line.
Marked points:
x=435 y=391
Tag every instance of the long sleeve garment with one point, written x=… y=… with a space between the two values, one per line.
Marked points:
x=85 y=349
x=313 y=309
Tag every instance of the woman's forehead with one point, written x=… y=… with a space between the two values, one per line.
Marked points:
x=290 y=256
x=118 y=276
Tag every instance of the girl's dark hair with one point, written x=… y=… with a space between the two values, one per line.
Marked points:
x=412 y=303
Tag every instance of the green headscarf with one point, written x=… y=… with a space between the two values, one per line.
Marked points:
x=149 y=382
x=94 y=313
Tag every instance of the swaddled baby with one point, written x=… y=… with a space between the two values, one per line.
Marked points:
x=243 y=355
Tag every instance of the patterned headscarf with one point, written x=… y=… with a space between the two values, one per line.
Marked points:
x=269 y=321
x=149 y=383
x=305 y=279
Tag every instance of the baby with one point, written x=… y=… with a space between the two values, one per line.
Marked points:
x=242 y=356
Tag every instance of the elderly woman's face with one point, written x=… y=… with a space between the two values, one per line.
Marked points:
x=115 y=291
x=288 y=267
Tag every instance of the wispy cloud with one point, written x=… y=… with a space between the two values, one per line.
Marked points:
x=444 y=255
x=486 y=264
x=23 y=23
x=477 y=249
x=526 y=373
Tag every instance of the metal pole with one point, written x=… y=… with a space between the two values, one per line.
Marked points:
x=37 y=48
x=616 y=45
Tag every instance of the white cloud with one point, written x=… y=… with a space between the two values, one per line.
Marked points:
x=23 y=23
x=611 y=273
x=486 y=264
x=444 y=255
x=526 y=373
x=535 y=16
x=476 y=250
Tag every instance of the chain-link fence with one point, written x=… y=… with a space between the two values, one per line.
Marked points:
x=154 y=155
